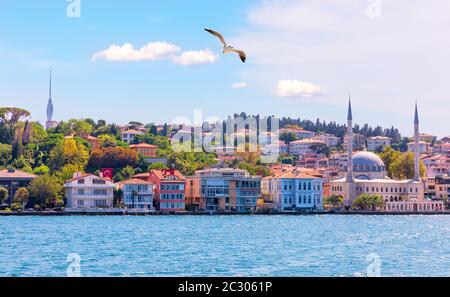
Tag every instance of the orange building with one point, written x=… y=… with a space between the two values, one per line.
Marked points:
x=146 y=150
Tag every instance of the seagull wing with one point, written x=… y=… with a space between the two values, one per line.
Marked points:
x=218 y=35
x=241 y=54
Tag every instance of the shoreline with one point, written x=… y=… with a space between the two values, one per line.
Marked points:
x=198 y=213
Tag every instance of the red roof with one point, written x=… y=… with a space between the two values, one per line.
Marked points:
x=134 y=181
x=162 y=174
x=143 y=145
x=86 y=175
x=15 y=174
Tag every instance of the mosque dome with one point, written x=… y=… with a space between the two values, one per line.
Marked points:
x=367 y=165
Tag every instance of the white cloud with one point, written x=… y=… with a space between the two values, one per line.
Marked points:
x=297 y=89
x=152 y=51
x=191 y=58
x=239 y=85
x=393 y=58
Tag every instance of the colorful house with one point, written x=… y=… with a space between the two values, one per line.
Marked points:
x=137 y=194
x=88 y=191
x=169 y=193
x=12 y=179
x=224 y=189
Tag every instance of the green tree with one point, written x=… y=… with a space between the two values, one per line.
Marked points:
x=288 y=137
x=5 y=154
x=117 y=196
x=41 y=170
x=335 y=200
x=403 y=167
x=4 y=195
x=69 y=152
x=389 y=156
x=113 y=157
x=46 y=190
x=22 y=196
x=367 y=202
x=124 y=174
x=9 y=118
x=157 y=166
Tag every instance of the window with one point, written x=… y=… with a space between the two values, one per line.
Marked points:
x=80 y=192
x=80 y=203
x=81 y=181
x=98 y=181
x=99 y=192
x=100 y=203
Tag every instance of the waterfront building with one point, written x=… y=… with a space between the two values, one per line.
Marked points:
x=129 y=135
x=294 y=190
x=137 y=194
x=377 y=143
x=442 y=188
x=50 y=123
x=366 y=174
x=169 y=189
x=88 y=191
x=224 y=189
x=194 y=200
x=303 y=146
x=12 y=179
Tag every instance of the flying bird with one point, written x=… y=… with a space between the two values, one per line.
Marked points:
x=227 y=49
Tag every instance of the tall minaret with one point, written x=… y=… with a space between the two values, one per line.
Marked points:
x=349 y=138
x=50 y=123
x=416 y=146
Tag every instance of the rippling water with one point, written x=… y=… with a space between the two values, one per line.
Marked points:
x=226 y=245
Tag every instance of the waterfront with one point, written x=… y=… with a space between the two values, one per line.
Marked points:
x=323 y=245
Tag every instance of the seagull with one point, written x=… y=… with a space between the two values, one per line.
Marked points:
x=227 y=49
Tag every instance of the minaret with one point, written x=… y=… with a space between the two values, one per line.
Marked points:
x=50 y=123
x=416 y=146
x=349 y=138
x=350 y=186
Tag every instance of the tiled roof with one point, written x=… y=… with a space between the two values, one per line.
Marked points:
x=134 y=181
x=86 y=175
x=16 y=174
x=162 y=174
x=132 y=132
x=143 y=145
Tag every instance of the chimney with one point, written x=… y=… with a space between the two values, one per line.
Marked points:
x=77 y=175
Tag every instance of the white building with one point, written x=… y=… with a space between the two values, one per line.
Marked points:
x=328 y=139
x=88 y=191
x=424 y=147
x=129 y=135
x=377 y=142
x=301 y=147
x=137 y=194
x=294 y=190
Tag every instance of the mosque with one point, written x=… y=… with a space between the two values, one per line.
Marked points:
x=367 y=174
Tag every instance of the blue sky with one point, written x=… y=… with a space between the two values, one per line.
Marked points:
x=304 y=58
